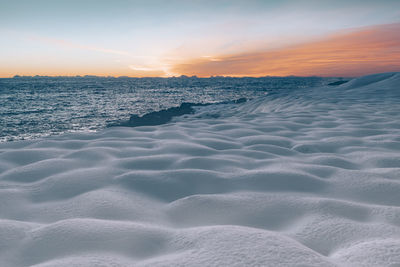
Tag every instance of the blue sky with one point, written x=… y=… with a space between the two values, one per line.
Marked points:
x=147 y=38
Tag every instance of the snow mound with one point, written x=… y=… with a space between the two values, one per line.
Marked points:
x=309 y=178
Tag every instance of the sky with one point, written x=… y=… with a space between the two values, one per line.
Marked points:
x=203 y=38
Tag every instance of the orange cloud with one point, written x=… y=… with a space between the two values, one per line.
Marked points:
x=353 y=53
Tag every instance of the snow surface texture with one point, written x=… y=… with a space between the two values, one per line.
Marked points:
x=309 y=178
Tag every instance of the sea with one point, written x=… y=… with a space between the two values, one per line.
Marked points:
x=34 y=107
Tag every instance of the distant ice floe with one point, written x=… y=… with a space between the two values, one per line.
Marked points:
x=309 y=178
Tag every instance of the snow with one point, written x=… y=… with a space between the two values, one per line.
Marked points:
x=309 y=178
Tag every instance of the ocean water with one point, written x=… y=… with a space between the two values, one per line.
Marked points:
x=32 y=107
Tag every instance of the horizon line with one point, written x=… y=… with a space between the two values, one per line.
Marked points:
x=180 y=76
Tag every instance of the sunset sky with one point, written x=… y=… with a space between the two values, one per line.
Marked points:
x=203 y=38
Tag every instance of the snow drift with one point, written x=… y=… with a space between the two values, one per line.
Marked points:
x=308 y=178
